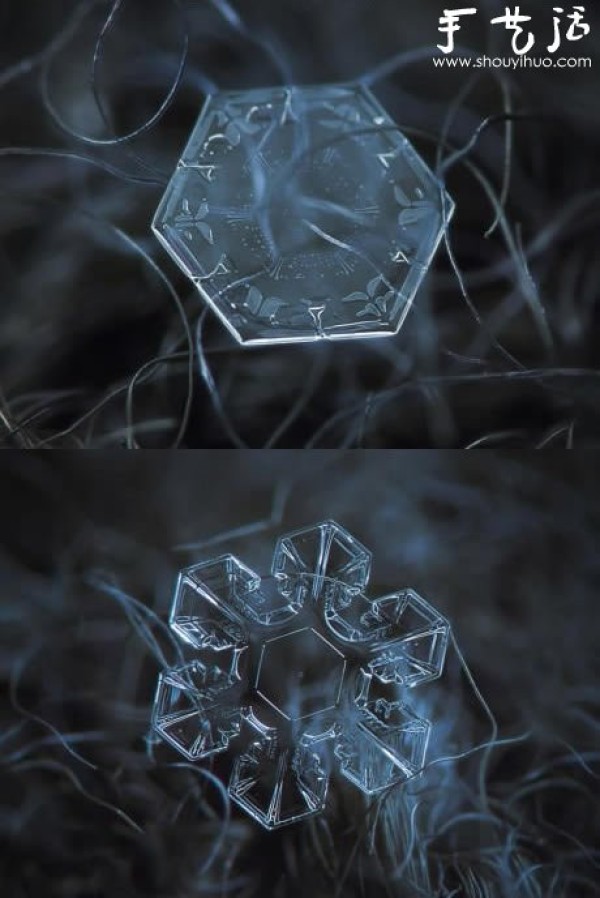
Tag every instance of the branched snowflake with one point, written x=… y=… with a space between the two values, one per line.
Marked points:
x=299 y=673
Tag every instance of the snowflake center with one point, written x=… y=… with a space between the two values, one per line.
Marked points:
x=300 y=674
x=304 y=213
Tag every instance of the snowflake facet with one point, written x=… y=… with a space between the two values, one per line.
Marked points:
x=289 y=204
x=298 y=673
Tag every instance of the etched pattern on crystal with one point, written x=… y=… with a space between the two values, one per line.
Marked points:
x=302 y=214
x=299 y=674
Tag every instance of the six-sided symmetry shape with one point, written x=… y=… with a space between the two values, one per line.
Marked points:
x=298 y=674
x=313 y=673
x=302 y=214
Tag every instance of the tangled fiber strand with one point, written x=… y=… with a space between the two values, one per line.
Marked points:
x=94 y=805
x=98 y=98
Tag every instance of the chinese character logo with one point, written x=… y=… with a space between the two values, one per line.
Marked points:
x=449 y=25
x=512 y=21
x=523 y=37
x=577 y=29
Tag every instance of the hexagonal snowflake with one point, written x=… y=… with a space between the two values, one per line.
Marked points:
x=302 y=213
x=298 y=673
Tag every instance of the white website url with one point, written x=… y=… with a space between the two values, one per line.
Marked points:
x=512 y=62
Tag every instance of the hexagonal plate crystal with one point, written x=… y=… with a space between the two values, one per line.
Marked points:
x=302 y=214
x=314 y=673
